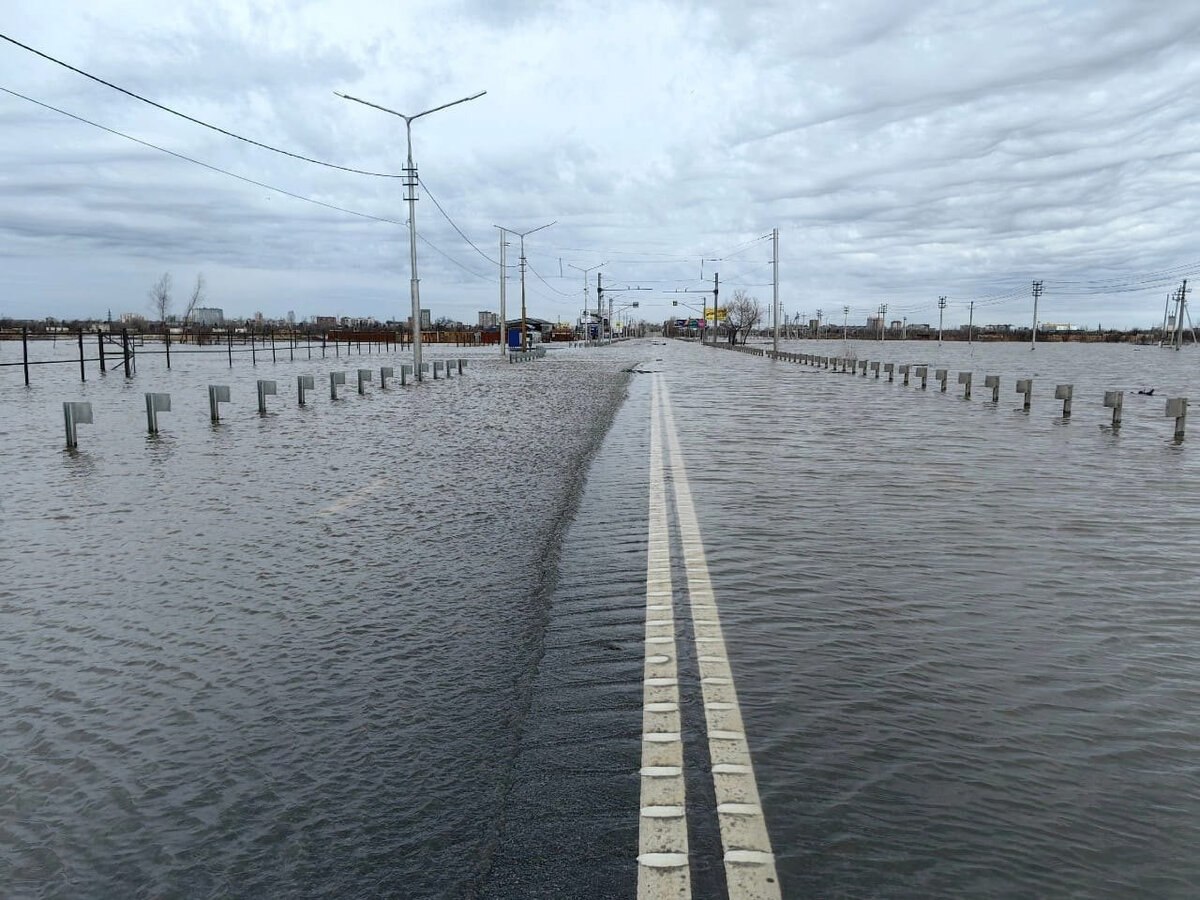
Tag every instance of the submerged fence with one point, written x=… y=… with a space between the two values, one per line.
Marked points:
x=120 y=350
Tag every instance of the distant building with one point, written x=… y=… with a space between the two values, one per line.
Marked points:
x=325 y=321
x=131 y=318
x=208 y=315
x=1055 y=326
x=488 y=319
x=426 y=321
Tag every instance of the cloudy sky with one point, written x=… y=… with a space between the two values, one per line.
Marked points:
x=905 y=150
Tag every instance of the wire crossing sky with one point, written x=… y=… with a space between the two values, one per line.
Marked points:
x=905 y=150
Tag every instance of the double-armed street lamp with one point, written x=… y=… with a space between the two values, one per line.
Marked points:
x=410 y=183
x=585 y=293
x=522 y=235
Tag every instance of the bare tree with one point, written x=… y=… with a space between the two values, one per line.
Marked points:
x=742 y=315
x=195 y=300
x=160 y=297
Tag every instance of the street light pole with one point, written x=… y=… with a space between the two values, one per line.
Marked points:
x=585 y=289
x=521 y=235
x=503 y=283
x=775 y=279
x=410 y=184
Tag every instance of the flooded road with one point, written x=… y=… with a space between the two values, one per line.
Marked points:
x=395 y=644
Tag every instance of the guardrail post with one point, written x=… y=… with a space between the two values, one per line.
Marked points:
x=156 y=403
x=941 y=375
x=405 y=371
x=863 y=365
x=462 y=364
x=217 y=394
x=890 y=368
x=965 y=378
x=75 y=413
x=1025 y=386
x=923 y=373
x=1064 y=393
x=385 y=372
x=904 y=370
x=1176 y=407
x=265 y=389
x=335 y=378
x=1115 y=400
x=993 y=381
x=364 y=375
x=875 y=369
x=304 y=383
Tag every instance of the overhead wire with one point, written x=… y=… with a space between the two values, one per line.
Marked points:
x=193 y=119
x=194 y=161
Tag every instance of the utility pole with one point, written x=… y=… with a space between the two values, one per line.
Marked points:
x=882 y=320
x=819 y=313
x=1179 y=316
x=904 y=329
x=503 y=283
x=410 y=186
x=971 y=324
x=1037 y=292
x=522 y=235
x=775 y=302
x=716 y=291
x=1162 y=336
x=845 y=323
x=585 y=290
x=941 y=311
x=599 y=310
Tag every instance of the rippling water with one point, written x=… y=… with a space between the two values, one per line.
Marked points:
x=337 y=651
x=286 y=655
x=966 y=637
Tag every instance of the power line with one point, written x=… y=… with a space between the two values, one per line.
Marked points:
x=175 y=112
x=209 y=166
x=529 y=266
x=243 y=178
x=446 y=215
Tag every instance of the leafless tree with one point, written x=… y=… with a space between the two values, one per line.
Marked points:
x=160 y=297
x=742 y=315
x=195 y=300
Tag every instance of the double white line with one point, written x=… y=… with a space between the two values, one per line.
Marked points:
x=663 y=863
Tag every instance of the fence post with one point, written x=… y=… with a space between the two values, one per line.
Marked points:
x=100 y=343
x=167 y=336
x=125 y=350
x=82 y=373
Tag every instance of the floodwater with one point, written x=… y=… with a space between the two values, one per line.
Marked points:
x=392 y=646
x=285 y=655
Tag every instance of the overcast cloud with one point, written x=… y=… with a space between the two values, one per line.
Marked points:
x=905 y=150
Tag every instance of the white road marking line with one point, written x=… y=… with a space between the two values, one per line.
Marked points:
x=749 y=862
x=663 y=870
